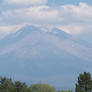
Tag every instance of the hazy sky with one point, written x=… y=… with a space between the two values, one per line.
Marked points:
x=72 y=16
x=60 y=2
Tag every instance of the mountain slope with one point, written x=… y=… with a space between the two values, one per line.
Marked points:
x=42 y=54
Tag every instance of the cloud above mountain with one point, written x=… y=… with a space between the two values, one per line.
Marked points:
x=34 y=14
x=73 y=19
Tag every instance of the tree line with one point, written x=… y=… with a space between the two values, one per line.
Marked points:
x=83 y=84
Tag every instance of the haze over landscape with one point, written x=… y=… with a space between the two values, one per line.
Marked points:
x=46 y=41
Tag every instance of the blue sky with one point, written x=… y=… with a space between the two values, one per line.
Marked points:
x=75 y=2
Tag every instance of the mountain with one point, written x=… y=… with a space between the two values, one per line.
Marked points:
x=41 y=54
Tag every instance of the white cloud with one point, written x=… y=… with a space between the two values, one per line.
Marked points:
x=4 y=30
x=80 y=13
x=8 y=29
x=34 y=14
x=73 y=19
x=25 y=2
x=72 y=29
x=76 y=19
x=42 y=13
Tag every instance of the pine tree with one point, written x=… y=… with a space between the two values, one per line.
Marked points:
x=84 y=83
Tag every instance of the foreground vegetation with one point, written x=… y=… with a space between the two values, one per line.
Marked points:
x=84 y=84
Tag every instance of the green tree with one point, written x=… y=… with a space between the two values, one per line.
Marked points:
x=6 y=85
x=42 y=88
x=84 y=83
x=65 y=91
x=20 y=87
